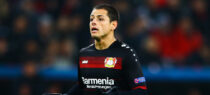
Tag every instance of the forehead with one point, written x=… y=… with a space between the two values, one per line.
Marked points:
x=98 y=12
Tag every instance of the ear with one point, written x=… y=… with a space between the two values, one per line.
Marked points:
x=114 y=25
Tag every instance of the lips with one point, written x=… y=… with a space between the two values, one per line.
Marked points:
x=94 y=29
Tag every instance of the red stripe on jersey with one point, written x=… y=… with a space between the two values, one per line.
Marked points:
x=100 y=62
x=141 y=87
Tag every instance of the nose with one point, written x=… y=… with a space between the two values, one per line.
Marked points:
x=93 y=22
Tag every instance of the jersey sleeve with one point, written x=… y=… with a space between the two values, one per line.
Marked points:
x=75 y=90
x=132 y=72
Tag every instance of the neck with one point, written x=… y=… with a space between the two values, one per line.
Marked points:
x=104 y=42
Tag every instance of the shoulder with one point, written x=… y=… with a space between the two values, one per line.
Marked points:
x=130 y=53
x=126 y=48
x=88 y=48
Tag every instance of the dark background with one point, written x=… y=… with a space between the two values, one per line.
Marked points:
x=40 y=40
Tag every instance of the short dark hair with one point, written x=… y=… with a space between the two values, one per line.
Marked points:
x=112 y=12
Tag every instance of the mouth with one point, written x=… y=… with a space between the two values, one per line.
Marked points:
x=94 y=29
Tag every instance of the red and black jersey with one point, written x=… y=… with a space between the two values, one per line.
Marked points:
x=117 y=66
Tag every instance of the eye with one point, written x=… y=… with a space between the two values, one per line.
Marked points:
x=100 y=19
x=91 y=19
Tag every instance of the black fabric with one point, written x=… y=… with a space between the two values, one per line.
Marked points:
x=125 y=72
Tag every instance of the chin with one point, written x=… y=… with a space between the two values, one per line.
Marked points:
x=95 y=37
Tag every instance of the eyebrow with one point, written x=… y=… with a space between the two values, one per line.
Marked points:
x=97 y=15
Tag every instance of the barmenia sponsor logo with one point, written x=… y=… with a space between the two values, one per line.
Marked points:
x=106 y=81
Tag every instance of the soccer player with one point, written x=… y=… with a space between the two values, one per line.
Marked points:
x=109 y=66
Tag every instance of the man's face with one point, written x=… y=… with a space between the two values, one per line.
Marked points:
x=100 y=24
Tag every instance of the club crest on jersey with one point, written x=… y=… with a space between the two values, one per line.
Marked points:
x=110 y=62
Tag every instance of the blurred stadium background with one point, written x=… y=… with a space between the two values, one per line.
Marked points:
x=40 y=40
